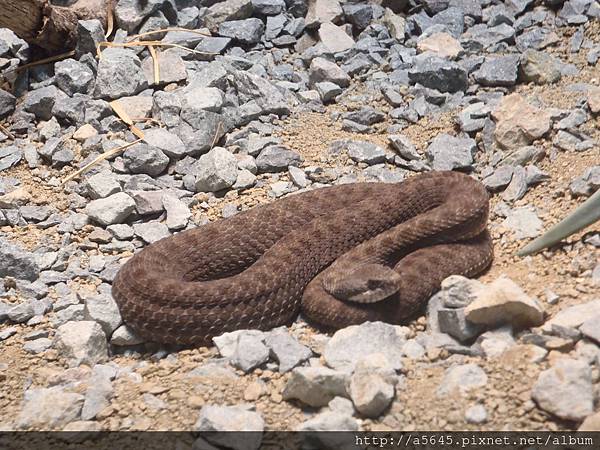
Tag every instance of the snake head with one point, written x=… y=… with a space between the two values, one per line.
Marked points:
x=366 y=283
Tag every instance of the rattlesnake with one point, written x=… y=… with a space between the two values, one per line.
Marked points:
x=394 y=244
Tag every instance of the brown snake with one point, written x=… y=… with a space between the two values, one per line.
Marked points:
x=392 y=245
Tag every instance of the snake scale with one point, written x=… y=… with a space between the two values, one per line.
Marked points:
x=343 y=255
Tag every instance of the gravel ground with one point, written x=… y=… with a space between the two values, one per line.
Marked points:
x=299 y=96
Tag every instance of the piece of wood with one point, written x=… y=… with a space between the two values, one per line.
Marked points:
x=51 y=27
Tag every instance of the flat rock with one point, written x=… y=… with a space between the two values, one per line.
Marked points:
x=335 y=38
x=349 y=344
x=322 y=70
x=448 y=152
x=524 y=222
x=503 y=301
x=574 y=316
x=315 y=386
x=231 y=418
x=50 y=408
x=111 y=210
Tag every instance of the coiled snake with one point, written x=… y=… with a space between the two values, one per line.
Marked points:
x=392 y=245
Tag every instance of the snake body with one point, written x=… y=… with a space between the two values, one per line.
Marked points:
x=391 y=245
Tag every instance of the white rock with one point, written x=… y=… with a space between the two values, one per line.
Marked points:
x=50 y=408
x=566 y=390
x=315 y=386
x=81 y=342
x=352 y=343
x=231 y=418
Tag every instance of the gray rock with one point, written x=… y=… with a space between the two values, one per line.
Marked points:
x=171 y=68
x=7 y=332
x=81 y=342
x=178 y=213
x=9 y=157
x=33 y=213
x=366 y=152
x=102 y=184
x=249 y=352
x=169 y=143
x=328 y=91
x=103 y=309
x=586 y=184
x=211 y=44
x=7 y=103
x=366 y=115
x=498 y=71
x=286 y=350
x=573 y=316
x=247 y=31
x=590 y=328
x=245 y=180
x=17 y=262
x=453 y=322
x=151 y=232
x=148 y=202
x=404 y=147
x=349 y=344
x=277 y=158
x=315 y=386
x=41 y=101
x=448 y=152
x=110 y=210
x=119 y=74
x=73 y=76
x=565 y=389
x=231 y=418
x=473 y=117
x=462 y=378
x=539 y=67
x=97 y=396
x=268 y=7
x=227 y=10
x=517 y=187
x=89 y=34
x=499 y=179
x=144 y=158
x=50 y=408
x=437 y=73
x=413 y=350
x=37 y=346
x=322 y=70
x=198 y=100
x=216 y=170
